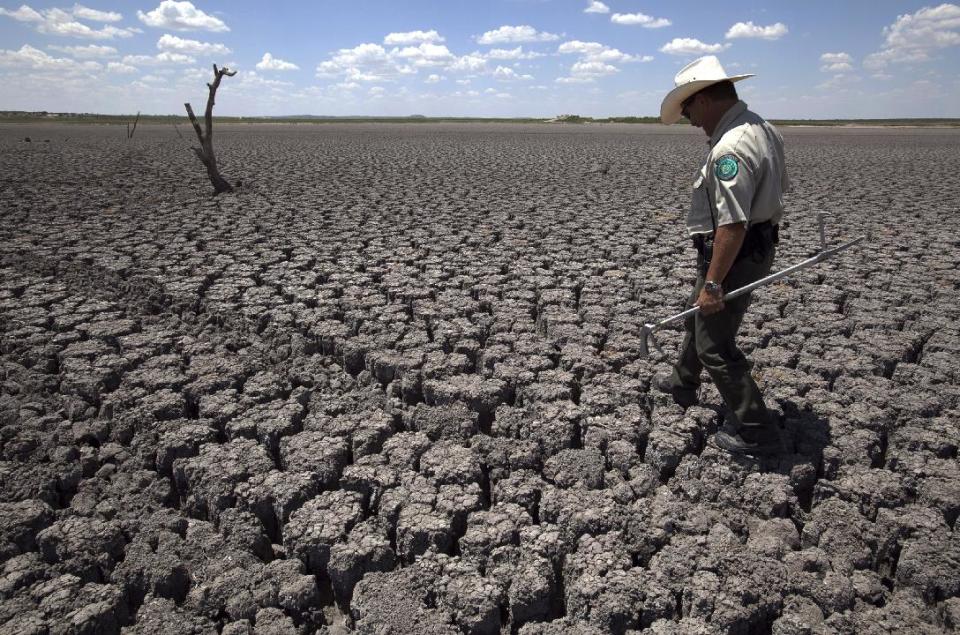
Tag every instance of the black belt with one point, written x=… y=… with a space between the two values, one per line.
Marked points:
x=758 y=239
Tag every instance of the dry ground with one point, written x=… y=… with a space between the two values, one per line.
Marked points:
x=392 y=385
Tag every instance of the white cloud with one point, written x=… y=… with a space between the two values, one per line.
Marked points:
x=271 y=63
x=596 y=52
x=120 y=68
x=434 y=78
x=597 y=7
x=181 y=16
x=165 y=58
x=366 y=62
x=691 y=46
x=505 y=73
x=376 y=91
x=512 y=54
x=250 y=79
x=471 y=63
x=425 y=54
x=930 y=27
x=836 y=62
x=750 y=30
x=86 y=13
x=28 y=57
x=913 y=37
x=513 y=34
x=23 y=14
x=89 y=51
x=646 y=21
x=64 y=23
x=72 y=28
x=596 y=60
x=175 y=44
x=592 y=69
x=573 y=80
x=841 y=82
x=413 y=37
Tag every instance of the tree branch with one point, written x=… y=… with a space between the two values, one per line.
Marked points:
x=193 y=120
x=205 y=152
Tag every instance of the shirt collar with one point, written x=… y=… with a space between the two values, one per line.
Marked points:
x=725 y=122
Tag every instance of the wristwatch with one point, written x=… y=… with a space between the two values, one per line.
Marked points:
x=713 y=288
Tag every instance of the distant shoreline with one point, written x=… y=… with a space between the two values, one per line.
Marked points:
x=7 y=117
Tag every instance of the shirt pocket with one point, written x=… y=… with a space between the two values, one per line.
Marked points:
x=699 y=220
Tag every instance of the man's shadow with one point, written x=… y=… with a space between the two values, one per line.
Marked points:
x=805 y=437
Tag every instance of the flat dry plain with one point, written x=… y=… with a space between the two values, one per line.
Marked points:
x=392 y=385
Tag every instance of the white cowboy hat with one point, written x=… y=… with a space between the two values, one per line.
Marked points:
x=693 y=78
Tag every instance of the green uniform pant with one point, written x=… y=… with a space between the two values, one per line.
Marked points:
x=710 y=343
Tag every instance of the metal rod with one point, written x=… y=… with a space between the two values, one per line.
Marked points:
x=823 y=230
x=821 y=256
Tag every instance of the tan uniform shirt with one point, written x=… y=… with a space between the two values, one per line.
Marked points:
x=743 y=177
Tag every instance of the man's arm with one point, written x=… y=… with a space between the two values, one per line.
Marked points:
x=726 y=246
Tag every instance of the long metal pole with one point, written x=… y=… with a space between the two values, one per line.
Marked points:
x=823 y=255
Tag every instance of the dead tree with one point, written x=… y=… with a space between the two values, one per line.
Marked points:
x=205 y=151
x=130 y=132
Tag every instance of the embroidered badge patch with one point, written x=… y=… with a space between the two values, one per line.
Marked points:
x=727 y=167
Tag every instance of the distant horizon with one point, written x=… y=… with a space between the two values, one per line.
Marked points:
x=891 y=59
x=7 y=115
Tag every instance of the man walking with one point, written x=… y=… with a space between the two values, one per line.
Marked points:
x=733 y=220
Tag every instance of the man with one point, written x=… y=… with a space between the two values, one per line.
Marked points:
x=737 y=205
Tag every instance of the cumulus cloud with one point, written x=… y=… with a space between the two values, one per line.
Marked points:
x=836 y=62
x=181 y=16
x=64 y=23
x=271 y=63
x=366 y=62
x=914 y=36
x=839 y=82
x=433 y=78
x=425 y=54
x=471 y=63
x=175 y=44
x=23 y=14
x=505 y=73
x=413 y=37
x=166 y=58
x=250 y=79
x=372 y=62
x=120 y=68
x=516 y=53
x=691 y=46
x=596 y=60
x=596 y=52
x=30 y=58
x=515 y=34
x=633 y=19
x=592 y=69
x=751 y=30
x=93 y=15
x=597 y=7
x=90 y=51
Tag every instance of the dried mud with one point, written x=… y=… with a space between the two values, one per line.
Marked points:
x=392 y=385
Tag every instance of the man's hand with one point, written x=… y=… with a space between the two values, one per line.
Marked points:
x=709 y=303
x=726 y=245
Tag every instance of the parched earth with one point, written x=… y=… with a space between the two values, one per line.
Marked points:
x=393 y=385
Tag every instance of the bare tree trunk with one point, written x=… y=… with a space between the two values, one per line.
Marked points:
x=130 y=132
x=205 y=151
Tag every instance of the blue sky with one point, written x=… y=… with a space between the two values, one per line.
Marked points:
x=815 y=59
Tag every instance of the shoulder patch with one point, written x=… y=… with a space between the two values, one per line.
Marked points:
x=727 y=167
